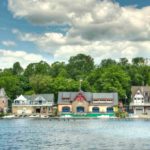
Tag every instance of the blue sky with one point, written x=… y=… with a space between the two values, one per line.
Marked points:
x=31 y=30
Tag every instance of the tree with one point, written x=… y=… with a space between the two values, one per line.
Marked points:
x=17 y=69
x=80 y=66
x=37 y=68
x=107 y=62
x=58 y=68
x=11 y=84
x=138 y=61
x=42 y=84
x=113 y=79
x=123 y=61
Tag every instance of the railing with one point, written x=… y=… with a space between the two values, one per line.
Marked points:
x=139 y=104
x=33 y=104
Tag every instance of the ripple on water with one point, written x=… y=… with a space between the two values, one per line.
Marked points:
x=32 y=134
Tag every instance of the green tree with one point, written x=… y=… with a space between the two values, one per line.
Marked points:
x=138 y=61
x=113 y=79
x=37 y=68
x=42 y=84
x=58 y=68
x=11 y=84
x=17 y=69
x=123 y=61
x=107 y=62
x=80 y=66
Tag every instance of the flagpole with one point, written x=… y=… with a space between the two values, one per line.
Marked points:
x=80 y=84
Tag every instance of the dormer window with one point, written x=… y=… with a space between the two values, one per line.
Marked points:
x=40 y=101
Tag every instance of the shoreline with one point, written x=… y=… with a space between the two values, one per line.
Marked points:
x=79 y=118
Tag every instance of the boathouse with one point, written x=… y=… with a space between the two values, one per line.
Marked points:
x=33 y=104
x=87 y=103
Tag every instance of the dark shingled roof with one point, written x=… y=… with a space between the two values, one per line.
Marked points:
x=134 y=89
x=143 y=90
x=68 y=97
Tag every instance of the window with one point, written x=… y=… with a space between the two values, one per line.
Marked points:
x=95 y=110
x=66 y=109
x=110 y=110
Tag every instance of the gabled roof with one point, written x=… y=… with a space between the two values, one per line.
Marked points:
x=142 y=89
x=70 y=96
x=67 y=97
x=47 y=97
x=21 y=98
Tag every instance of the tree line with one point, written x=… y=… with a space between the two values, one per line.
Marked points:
x=107 y=76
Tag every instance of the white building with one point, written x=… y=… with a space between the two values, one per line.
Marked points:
x=33 y=104
x=140 y=100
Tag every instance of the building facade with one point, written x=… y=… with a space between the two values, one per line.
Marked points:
x=3 y=101
x=86 y=102
x=33 y=104
x=140 y=100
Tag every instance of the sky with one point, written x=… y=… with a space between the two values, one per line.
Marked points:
x=54 y=30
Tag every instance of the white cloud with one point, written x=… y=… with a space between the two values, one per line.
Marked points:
x=91 y=19
x=107 y=49
x=101 y=28
x=9 y=57
x=8 y=43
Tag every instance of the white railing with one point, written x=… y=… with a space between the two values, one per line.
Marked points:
x=33 y=104
x=139 y=104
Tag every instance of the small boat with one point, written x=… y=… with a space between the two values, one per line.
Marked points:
x=34 y=116
x=103 y=116
x=66 y=116
x=9 y=117
x=44 y=116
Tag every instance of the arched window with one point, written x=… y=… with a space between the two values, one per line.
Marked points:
x=80 y=109
x=66 y=109
x=95 y=109
x=110 y=110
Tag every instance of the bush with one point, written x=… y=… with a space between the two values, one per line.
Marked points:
x=1 y=114
x=121 y=114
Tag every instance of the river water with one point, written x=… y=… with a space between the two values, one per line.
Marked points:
x=45 y=134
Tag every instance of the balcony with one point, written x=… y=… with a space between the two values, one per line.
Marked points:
x=139 y=104
x=33 y=104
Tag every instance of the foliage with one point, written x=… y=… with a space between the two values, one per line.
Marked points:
x=108 y=76
x=121 y=114
x=2 y=114
x=79 y=66
x=17 y=69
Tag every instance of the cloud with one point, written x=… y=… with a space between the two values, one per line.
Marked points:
x=91 y=19
x=101 y=28
x=107 y=49
x=8 y=57
x=8 y=43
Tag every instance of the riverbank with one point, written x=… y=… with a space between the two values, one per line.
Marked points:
x=74 y=118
